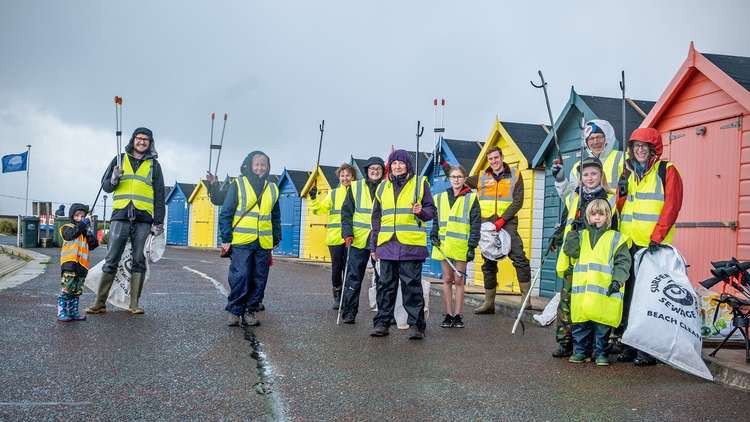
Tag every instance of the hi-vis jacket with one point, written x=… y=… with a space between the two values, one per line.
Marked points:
x=74 y=253
x=396 y=213
x=135 y=186
x=643 y=207
x=454 y=225
x=257 y=223
x=331 y=205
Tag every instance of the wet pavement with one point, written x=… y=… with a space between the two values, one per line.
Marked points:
x=179 y=361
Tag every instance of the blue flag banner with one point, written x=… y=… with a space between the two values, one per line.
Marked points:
x=15 y=162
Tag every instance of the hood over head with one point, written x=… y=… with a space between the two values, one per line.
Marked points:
x=403 y=156
x=649 y=135
x=77 y=207
x=600 y=126
x=151 y=153
x=246 y=169
x=373 y=161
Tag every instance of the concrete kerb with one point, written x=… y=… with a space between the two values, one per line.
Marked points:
x=36 y=264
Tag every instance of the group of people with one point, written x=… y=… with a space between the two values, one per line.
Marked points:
x=615 y=203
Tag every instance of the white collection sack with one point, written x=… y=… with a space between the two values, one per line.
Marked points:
x=664 y=316
x=549 y=315
x=494 y=245
x=119 y=294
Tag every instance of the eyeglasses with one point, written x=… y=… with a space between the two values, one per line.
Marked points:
x=640 y=145
x=457 y=177
x=141 y=139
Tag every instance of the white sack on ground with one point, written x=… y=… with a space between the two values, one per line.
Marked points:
x=664 y=316
x=549 y=315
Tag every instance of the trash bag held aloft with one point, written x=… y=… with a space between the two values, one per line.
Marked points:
x=665 y=319
x=494 y=245
x=119 y=294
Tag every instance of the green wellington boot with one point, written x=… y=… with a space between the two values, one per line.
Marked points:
x=136 y=285
x=488 y=307
x=100 y=305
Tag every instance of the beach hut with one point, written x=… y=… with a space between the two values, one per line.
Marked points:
x=703 y=119
x=178 y=214
x=313 y=227
x=291 y=183
x=454 y=152
x=569 y=134
x=204 y=219
x=519 y=143
x=358 y=163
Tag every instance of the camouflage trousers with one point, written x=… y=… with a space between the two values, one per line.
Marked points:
x=563 y=329
x=71 y=286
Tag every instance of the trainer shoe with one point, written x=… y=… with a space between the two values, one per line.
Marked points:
x=250 y=320
x=379 y=331
x=579 y=358
x=447 y=321
x=234 y=320
x=416 y=333
x=458 y=322
x=602 y=360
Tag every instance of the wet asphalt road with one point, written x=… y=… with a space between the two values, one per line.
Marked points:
x=179 y=361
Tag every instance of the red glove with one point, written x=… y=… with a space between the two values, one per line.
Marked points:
x=270 y=260
x=348 y=240
x=499 y=223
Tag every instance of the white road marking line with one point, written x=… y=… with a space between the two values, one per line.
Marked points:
x=45 y=403
x=220 y=287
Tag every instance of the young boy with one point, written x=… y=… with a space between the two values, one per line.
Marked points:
x=78 y=240
x=599 y=277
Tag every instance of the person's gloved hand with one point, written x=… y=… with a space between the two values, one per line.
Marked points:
x=157 y=229
x=653 y=247
x=614 y=287
x=86 y=221
x=435 y=240
x=622 y=187
x=557 y=172
x=114 y=180
x=470 y=255
x=577 y=224
x=499 y=224
x=348 y=240
x=313 y=192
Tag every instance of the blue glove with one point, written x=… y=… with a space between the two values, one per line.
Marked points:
x=86 y=221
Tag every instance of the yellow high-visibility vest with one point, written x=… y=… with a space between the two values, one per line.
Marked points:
x=76 y=250
x=643 y=207
x=564 y=262
x=362 y=219
x=136 y=187
x=331 y=205
x=592 y=276
x=496 y=196
x=454 y=226
x=256 y=223
x=396 y=213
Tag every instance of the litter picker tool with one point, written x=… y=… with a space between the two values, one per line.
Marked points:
x=420 y=132
x=534 y=282
x=582 y=126
x=453 y=266
x=624 y=130
x=322 y=127
x=215 y=146
x=211 y=142
x=118 y=129
x=543 y=86
x=343 y=286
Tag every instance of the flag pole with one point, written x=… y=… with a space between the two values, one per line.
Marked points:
x=28 y=164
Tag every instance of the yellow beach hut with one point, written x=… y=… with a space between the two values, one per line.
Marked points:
x=313 y=240
x=519 y=142
x=203 y=218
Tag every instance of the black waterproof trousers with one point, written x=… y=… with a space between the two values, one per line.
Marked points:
x=338 y=264
x=355 y=272
x=410 y=275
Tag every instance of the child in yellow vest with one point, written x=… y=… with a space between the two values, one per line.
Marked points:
x=78 y=241
x=602 y=267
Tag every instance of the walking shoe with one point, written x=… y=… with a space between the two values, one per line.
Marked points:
x=627 y=355
x=261 y=307
x=250 y=320
x=644 y=360
x=579 y=358
x=62 y=310
x=73 y=309
x=458 y=322
x=447 y=321
x=416 y=333
x=349 y=319
x=563 y=351
x=602 y=360
x=379 y=331
x=234 y=320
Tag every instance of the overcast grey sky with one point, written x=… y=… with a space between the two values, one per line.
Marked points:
x=371 y=69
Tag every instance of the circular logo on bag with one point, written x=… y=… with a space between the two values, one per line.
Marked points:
x=678 y=295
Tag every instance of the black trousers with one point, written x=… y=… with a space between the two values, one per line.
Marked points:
x=353 y=284
x=410 y=275
x=516 y=254
x=338 y=262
